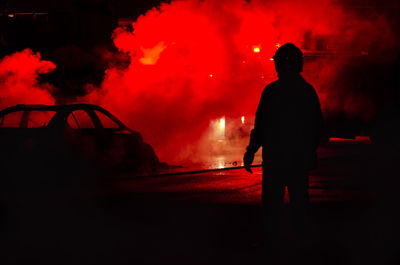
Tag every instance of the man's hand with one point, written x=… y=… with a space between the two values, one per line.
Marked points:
x=248 y=160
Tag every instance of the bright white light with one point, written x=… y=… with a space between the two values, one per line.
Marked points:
x=222 y=125
x=218 y=129
x=243 y=120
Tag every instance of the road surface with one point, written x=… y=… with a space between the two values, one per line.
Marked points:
x=348 y=171
x=214 y=217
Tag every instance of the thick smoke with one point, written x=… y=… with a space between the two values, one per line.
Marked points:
x=19 y=79
x=194 y=61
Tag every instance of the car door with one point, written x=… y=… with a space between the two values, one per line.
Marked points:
x=11 y=136
x=126 y=148
x=84 y=136
x=114 y=138
x=23 y=138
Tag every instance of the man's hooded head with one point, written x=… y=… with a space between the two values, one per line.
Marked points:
x=288 y=58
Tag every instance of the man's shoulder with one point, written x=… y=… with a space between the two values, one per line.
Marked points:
x=271 y=86
x=309 y=88
x=309 y=92
x=308 y=85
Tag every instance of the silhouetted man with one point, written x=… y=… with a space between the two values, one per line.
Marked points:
x=288 y=126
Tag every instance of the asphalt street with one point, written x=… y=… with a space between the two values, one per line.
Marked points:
x=348 y=171
x=215 y=217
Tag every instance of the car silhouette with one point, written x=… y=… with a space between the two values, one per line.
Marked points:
x=70 y=139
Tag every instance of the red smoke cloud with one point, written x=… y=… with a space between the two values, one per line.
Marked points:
x=19 y=74
x=192 y=61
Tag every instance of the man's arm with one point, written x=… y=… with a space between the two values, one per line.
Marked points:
x=318 y=119
x=256 y=134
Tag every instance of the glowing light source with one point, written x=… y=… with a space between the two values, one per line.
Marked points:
x=271 y=59
x=243 y=119
x=218 y=129
x=211 y=75
x=221 y=164
x=10 y=15
x=256 y=49
x=222 y=125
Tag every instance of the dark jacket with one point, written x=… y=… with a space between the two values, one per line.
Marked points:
x=288 y=124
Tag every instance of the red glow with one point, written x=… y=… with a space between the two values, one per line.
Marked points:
x=357 y=139
x=19 y=75
x=151 y=55
x=193 y=61
x=170 y=93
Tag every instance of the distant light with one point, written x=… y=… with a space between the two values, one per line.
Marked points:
x=10 y=15
x=277 y=45
x=243 y=120
x=222 y=125
x=271 y=59
x=218 y=129
x=211 y=75
x=256 y=49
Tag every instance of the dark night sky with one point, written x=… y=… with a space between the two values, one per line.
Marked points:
x=122 y=8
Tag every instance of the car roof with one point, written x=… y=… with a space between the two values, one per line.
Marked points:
x=58 y=108
x=64 y=107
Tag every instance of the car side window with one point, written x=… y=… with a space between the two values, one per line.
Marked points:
x=80 y=119
x=39 y=118
x=11 y=120
x=106 y=121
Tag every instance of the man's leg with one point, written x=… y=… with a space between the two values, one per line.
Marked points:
x=299 y=201
x=273 y=190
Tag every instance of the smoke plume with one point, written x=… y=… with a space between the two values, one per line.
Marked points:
x=193 y=61
x=19 y=79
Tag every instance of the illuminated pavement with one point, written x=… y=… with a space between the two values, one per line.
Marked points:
x=347 y=172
